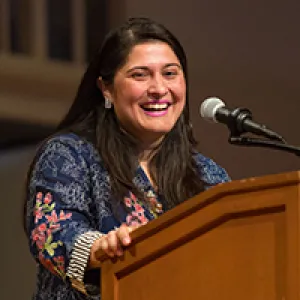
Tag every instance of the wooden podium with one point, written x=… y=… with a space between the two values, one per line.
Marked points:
x=236 y=241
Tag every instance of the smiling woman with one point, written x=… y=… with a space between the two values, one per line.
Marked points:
x=149 y=91
x=123 y=155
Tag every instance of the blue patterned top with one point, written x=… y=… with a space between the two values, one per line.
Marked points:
x=69 y=194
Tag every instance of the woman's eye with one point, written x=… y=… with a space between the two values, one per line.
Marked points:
x=170 y=73
x=138 y=75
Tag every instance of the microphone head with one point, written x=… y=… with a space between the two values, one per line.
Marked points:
x=209 y=107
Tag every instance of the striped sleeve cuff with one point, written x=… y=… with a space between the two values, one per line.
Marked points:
x=79 y=258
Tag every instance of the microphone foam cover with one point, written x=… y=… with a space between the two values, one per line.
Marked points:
x=209 y=107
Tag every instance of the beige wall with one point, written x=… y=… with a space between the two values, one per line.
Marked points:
x=245 y=52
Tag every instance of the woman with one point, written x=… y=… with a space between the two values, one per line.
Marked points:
x=122 y=156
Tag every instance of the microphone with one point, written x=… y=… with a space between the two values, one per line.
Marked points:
x=238 y=120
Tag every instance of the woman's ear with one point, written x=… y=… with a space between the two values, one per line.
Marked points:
x=105 y=89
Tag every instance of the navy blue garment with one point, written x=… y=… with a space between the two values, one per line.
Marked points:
x=69 y=194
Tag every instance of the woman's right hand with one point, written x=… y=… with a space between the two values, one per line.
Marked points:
x=111 y=243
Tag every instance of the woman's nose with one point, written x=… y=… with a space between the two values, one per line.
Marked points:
x=157 y=87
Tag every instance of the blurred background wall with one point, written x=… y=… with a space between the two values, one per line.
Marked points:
x=245 y=52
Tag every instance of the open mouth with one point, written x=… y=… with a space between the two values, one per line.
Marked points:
x=153 y=107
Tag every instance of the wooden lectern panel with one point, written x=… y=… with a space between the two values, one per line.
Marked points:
x=236 y=241
x=220 y=272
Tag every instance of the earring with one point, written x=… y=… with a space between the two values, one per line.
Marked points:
x=107 y=103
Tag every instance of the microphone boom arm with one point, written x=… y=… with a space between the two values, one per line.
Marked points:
x=255 y=142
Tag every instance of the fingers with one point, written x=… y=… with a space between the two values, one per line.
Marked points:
x=123 y=234
x=113 y=242
x=105 y=244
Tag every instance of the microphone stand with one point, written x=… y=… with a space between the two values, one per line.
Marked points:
x=255 y=142
x=236 y=126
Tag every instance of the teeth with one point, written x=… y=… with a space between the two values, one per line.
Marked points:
x=156 y=106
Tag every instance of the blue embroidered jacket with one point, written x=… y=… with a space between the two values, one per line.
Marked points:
x=69 y=195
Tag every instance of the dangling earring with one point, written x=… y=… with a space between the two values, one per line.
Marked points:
x=107 y=103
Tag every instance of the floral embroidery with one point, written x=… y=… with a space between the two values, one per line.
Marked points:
x=156 y=207
x=42 y=235
x=137 y=216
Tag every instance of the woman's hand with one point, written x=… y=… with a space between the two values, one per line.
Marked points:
x=111 y=243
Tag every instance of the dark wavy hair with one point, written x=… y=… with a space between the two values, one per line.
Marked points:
x=172 y=167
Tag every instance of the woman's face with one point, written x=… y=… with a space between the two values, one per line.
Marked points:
x=149 y=91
